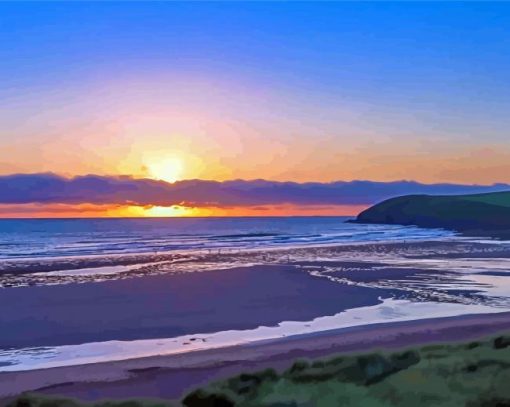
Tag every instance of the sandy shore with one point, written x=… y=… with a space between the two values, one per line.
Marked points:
x=168 y=298
x=171 y=376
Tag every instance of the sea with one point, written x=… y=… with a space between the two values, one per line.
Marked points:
x=77 y=291
x=37 y=238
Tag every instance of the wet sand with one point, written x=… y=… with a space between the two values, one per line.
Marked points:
x=170 y=377
x=452 y=248
x=170 y=305
x=17 y=273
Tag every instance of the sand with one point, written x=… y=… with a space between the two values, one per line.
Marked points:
x=172 y=376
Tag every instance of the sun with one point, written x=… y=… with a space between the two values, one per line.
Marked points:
x=168 y=211
x=167 y=169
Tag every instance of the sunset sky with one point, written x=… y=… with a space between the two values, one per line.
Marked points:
x=283 y=91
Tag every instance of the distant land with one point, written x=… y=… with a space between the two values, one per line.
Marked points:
x=478 y=214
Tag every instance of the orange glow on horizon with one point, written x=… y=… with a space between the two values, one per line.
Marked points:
x=131 y=211
x=168 y=211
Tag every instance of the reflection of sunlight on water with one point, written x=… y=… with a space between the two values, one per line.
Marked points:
x=99 y=271
x=466 y=275
x=469 y=265
x=93 y=271
x=429 y=278
x=492 y=285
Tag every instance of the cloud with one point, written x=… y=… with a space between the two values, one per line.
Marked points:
x=49 y=188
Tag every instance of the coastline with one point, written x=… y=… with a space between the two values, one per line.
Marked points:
x=261 y=287
x=172 y=376
x=472 y=234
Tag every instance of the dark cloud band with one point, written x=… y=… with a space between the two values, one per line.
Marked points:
x=95 y=189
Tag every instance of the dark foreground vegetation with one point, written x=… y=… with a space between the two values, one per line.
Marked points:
x=482 y=214
x=475 y=374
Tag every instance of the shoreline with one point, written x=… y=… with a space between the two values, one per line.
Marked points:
x=171 y=376
x=59 y=263
x=92 y=353
x=496 y=235
x=43 y=265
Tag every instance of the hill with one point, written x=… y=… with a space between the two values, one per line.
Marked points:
x=484 y=214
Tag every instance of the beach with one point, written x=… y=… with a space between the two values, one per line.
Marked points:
x=157 y=324
x=172 y=376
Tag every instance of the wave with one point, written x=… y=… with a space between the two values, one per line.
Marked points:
x=139 y=235
x=243 y=235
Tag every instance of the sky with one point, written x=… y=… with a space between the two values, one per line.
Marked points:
x=301 y=92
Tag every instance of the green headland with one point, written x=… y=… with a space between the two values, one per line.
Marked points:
x=480 y=214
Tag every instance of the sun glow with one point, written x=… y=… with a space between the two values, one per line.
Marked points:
x=168 y=211
x=167 y=169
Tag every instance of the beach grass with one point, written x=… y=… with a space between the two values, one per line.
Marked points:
x=474 y=374
x=470 y=374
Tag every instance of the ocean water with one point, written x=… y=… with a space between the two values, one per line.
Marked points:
x=43 y=238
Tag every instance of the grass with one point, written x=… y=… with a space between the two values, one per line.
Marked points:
x=498 y=199
x=475 y=374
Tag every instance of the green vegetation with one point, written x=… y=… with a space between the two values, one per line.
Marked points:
x=483 y=214
x=475 y=374
x=498 y=199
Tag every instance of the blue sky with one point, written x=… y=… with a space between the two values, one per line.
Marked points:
x=370 y=49
x=369 y=80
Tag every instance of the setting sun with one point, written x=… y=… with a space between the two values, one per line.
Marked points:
x=168 y=169
x=168 y=211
